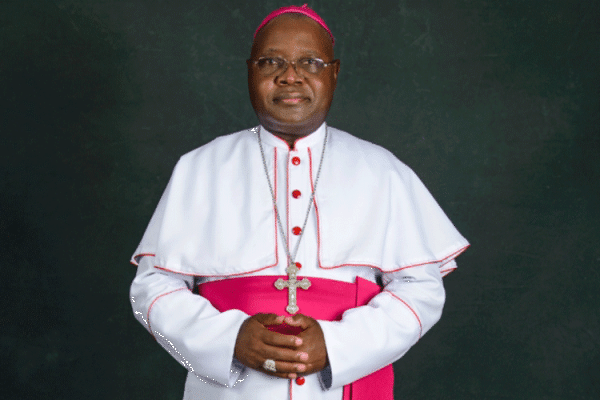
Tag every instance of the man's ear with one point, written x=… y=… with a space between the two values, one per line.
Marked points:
x=336 y=69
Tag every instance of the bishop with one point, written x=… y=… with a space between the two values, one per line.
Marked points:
x=372 y=242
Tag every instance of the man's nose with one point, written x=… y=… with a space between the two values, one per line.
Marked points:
x=290 y=74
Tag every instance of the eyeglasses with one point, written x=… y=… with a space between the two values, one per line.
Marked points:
x=270 y=65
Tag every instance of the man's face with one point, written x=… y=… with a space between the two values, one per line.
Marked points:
x=288 y=103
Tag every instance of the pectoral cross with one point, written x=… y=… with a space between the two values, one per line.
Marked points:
x=292 y=283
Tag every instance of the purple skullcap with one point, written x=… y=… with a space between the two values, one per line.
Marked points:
x=305 y=10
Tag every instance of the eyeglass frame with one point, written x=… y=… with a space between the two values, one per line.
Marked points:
x=293 y=63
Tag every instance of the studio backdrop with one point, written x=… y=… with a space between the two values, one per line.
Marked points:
x=494 y=104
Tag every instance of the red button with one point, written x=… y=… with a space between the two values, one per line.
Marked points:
x=296 y=194
x=300 y=380
x=296 y=160
x=296 y=230
x=298 y=265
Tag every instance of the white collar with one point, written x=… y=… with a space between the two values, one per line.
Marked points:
x=315 y=138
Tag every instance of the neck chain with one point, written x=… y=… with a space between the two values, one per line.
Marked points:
x=291 y=256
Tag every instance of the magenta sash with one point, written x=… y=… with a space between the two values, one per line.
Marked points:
x=326 y=299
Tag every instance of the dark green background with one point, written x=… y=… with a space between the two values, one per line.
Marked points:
x=493 y=103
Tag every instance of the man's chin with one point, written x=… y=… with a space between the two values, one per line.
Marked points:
x=288 y=121
x=299 y=126
x=293 y=113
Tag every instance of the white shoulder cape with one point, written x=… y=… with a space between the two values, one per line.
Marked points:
x=216 y=216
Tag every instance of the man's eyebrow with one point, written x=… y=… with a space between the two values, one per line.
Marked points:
x=311 y=53
x=305 y=53
x=271 y=50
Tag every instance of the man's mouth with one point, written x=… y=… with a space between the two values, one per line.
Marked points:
x=293 y=100
x=290 y=98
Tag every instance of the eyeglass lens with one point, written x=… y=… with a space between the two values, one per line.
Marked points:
x=268 y=66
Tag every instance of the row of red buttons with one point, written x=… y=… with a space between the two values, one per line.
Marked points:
x=295 y=194
x=296 y=231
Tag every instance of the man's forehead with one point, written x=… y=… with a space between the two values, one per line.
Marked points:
x=295 y=11
x=308 y=37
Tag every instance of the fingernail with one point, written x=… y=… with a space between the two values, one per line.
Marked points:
x=292 y=376
x=298 y=342
x=301 y=368
x=303 y=356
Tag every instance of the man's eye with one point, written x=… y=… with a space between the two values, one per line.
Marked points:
x=309 y=61
x=269 y=61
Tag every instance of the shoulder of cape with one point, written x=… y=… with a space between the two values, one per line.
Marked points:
x=363 y=153
x=413 y=228
x=220 y=145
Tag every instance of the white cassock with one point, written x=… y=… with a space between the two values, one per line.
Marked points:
x=372 y=217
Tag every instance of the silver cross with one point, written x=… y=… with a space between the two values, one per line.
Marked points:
x=292 y=283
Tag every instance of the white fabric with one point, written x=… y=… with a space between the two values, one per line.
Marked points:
x=216 y=220
x=216 y=216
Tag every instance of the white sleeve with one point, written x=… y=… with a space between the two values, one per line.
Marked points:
x=196 y=334
x=372 y=336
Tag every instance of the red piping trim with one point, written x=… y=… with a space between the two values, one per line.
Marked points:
x=287 y=202
x=286 y=143
x=312 y=189
x=213 y=276
x=447 y=259
x=291 y=389
x=274 y=211
x=410 y=308
x=446 y=272
x=135 y=261
x=152 y=304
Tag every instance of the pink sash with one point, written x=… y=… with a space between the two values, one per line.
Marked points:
x=326 y=299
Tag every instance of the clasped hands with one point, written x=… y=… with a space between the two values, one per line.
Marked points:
x=301 y=354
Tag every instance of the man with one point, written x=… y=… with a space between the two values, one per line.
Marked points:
x=258 y=269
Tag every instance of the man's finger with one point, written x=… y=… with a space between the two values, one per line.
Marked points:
x=283 y=354
x=299 y=320
x=286 y=370
x=281 y=340
x=268 y=319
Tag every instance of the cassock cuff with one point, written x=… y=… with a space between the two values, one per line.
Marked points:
x=325 y=377
x=236 y=369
